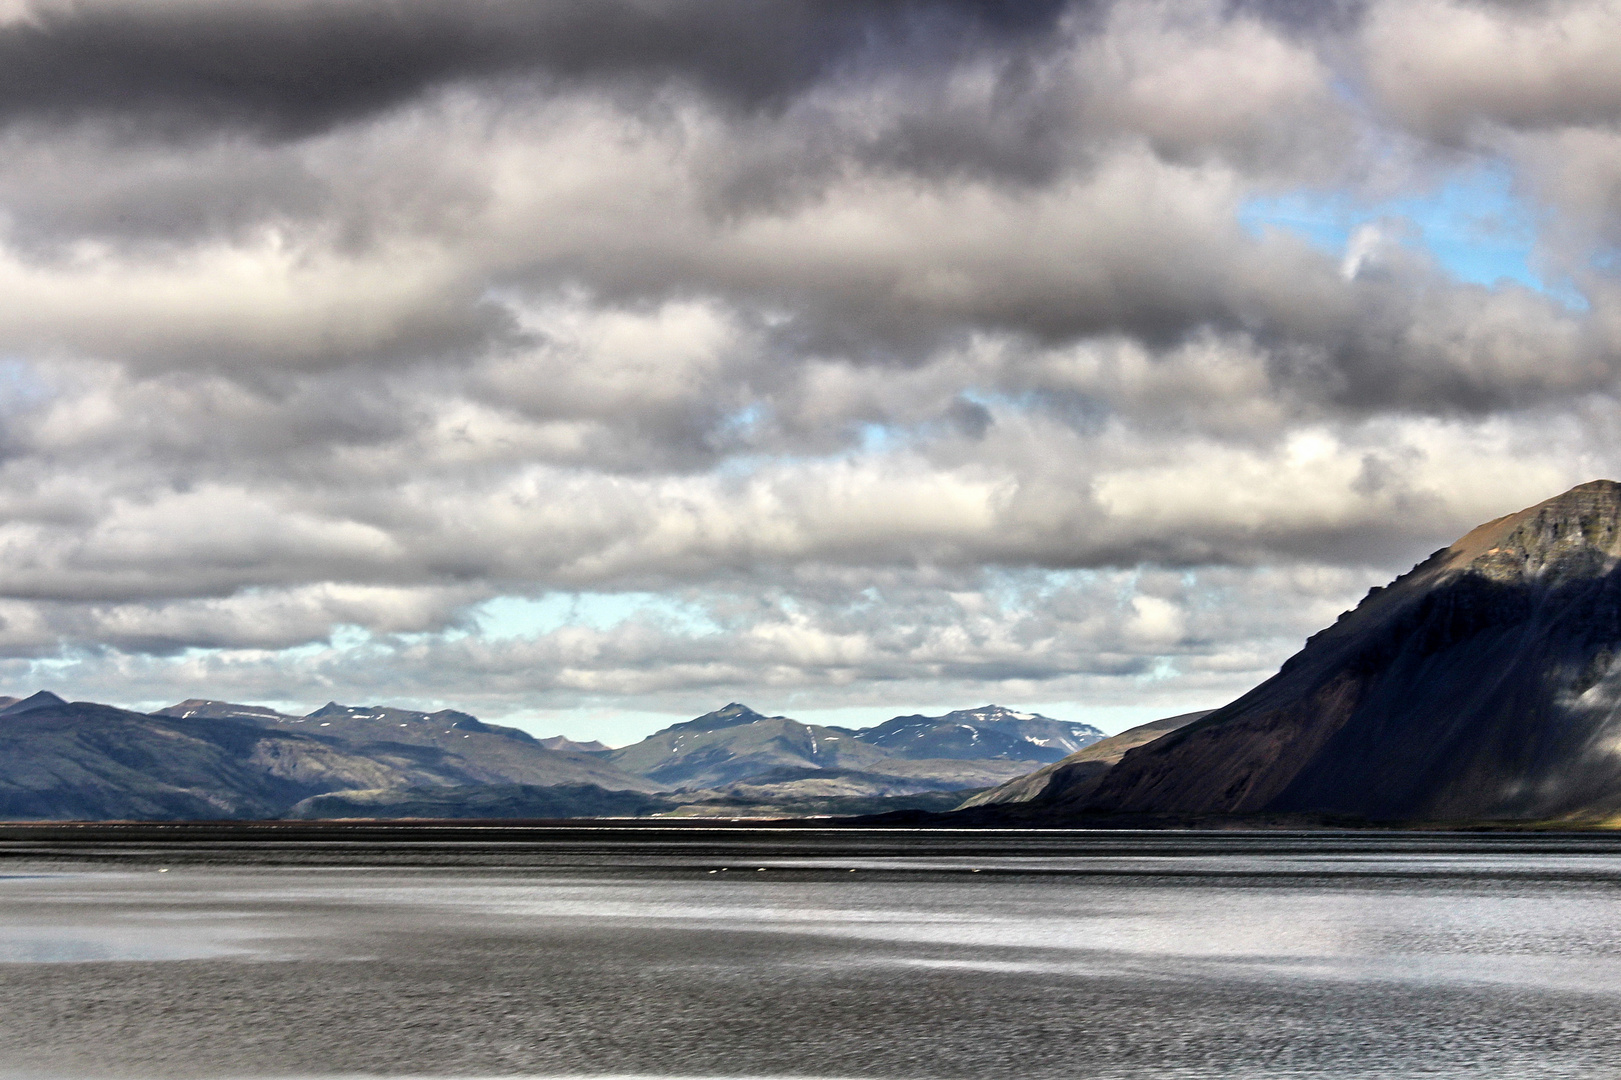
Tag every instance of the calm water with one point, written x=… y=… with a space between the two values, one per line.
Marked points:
x=1079 y=957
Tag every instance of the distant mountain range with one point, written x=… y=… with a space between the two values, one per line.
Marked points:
x=213 y=759
x=736 y=743
x=438 y=749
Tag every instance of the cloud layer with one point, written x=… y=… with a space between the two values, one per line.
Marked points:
x=899 y=353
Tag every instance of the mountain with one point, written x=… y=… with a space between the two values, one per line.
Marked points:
x=84 y=761
x=221 y=710
x=988 y=733
x=438 y=748
x=735 y=743
x=1483 y=684
x=44 y=699
x=1072 y=779
x=558 y=742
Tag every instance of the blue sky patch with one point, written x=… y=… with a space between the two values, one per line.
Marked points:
x=1474 y=226
x=521 y=616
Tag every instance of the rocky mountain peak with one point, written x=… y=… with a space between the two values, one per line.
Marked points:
x=730 y=715
x=1576 y=534
x=998 y=712
x=209 y=709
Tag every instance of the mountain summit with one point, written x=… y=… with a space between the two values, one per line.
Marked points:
x=44 y=699
x=1571 y=536
x=982 y=734
x=1484 y=683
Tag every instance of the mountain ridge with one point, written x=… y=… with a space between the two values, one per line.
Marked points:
x=443 y=748
x=87 y=761
x=1483 y=683
x=992 y=732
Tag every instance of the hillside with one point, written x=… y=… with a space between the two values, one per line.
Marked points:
x=84 y=761
x=1073 y=778
x=1485 y=683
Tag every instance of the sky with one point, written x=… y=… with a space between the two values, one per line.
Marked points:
x=589 y=366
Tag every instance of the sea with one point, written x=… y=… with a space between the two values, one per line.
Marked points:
x=740 y=951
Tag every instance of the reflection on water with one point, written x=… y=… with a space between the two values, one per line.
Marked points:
x=1121 y=966
x=78 y=945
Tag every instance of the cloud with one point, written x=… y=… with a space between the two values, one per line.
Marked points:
x=285 y=70
x=1445 y=66
x=1115 y=637
x=921 y=349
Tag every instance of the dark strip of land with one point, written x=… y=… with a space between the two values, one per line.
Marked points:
x=691 y=844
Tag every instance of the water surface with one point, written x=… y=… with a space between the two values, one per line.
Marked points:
x=1284 y=956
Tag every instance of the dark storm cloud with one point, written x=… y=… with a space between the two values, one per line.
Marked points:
x=1314 y=17
x=291 y=69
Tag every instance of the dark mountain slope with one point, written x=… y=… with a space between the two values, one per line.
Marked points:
x=44 y=699
x=983 y=734
x=1484 y=683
